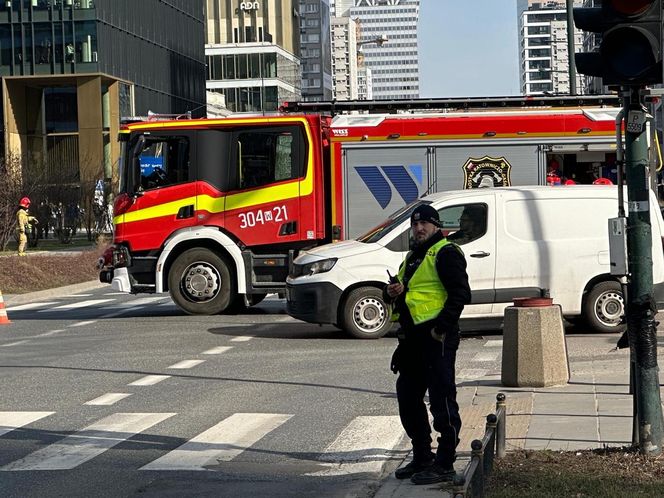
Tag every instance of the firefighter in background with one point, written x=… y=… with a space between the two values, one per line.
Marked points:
x=24 y=220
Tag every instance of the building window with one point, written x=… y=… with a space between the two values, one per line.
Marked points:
x=61 y=109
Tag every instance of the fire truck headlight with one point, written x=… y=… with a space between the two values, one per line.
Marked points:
x=319 y=266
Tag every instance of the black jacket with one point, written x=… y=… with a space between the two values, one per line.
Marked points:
x=451 y=267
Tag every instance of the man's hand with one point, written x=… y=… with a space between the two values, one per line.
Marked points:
x=438 y=334
x=393 y=290
x=396 y=360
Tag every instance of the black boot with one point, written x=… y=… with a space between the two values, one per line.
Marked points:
x=434 y=473
x=413 y=468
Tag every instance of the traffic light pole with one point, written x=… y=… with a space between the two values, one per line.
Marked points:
x=641 y=306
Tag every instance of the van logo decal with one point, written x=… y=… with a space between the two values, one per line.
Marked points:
x=378 y=180
x=486 y=172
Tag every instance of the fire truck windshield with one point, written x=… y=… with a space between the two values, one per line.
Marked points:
x=395 y=219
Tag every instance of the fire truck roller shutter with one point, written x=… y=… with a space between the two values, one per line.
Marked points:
x=199 y=234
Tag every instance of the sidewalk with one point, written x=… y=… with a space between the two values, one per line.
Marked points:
x=592 y=411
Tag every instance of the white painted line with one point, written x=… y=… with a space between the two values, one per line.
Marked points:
x=116 y=294
x=471 y=373
x=149 y=380
x=107 y=399
x=50 y=332
x=494 y=343
x=13 y=420
x=13 y=344
x=72 y=306
x=83 y=324
x=92 y=441
x=363 y=446
x=184 y=364
x=218 y=350
x=486 y=356
x=220 y=443
x=121 y=312
x=30 y=306
x=135 y=302
x=242 y=338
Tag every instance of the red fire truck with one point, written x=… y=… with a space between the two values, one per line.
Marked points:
x=214 y=211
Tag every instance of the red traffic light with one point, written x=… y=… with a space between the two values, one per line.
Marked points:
x=631 y=7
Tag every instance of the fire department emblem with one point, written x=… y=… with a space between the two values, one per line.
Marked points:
x=486 y=172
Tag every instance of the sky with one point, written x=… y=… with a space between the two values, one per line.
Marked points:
x=468 y=48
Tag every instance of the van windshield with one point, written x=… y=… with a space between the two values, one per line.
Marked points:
x=395 y=219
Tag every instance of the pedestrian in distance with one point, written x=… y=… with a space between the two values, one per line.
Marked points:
x=428 y=296
x=24 y=221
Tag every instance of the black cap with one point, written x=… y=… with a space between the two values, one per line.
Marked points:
x=425 y=212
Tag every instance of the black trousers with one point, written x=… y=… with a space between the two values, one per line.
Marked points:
x=428 y=365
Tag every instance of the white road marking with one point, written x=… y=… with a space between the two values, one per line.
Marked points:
x=107 y=399
x=116 y=294
x=363 y=446
x=83 y=324
x=82 y=304
x=149 y=380
x=494 y=343
x=88 y=443
x=122 y=312
x=135 y=302
x=184 y=364
x=50 y=332
x=218 y=350
x=471 y=373
x=486 y=356
x=242 y=338
x=13 y=344
x=13 y=420
x=220 y=443
x=31 y=306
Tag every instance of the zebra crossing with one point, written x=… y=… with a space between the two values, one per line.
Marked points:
x=364 y=445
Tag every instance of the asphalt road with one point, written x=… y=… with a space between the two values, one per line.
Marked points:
x=103 y=394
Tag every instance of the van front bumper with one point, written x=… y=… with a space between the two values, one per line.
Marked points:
x=313 y=303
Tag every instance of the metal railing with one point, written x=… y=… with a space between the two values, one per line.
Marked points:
x=471 y=483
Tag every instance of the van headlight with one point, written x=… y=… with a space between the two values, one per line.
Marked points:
x=312 y=268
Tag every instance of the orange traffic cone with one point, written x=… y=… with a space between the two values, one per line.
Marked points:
x=4 y=319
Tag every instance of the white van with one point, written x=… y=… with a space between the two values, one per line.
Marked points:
x=532 y=239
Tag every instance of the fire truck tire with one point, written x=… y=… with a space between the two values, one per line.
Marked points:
x=365 y=315
x=201 y=283
x=604 y=307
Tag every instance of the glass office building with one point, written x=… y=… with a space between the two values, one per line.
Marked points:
x=71 y=69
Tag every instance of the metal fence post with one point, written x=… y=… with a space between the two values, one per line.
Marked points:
x=477 y=482
x=501 y=429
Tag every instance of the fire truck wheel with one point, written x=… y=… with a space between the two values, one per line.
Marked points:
x=604 y=306
x=365 y=314
x=200 y=282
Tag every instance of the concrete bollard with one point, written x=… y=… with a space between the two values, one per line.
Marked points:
x=534 y=347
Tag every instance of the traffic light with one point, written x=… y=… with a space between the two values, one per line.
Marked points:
x=630 y=52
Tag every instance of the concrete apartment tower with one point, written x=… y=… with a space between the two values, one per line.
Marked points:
x=544 y=54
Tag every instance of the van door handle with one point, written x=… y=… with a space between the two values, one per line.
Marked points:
x=480 y=254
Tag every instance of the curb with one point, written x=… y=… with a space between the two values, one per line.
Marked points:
x=16 y=299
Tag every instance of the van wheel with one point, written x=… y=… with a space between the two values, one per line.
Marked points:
x=604 y=306
x=365 y=314
x=200 y=282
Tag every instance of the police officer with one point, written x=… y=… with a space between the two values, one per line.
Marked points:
x=23 y=220
x=428 y=298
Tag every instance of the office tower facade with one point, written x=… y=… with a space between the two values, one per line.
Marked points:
x=67 y=79
x=316 y=56
x=394 y=65
x=252 y=52
x=345 y=31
